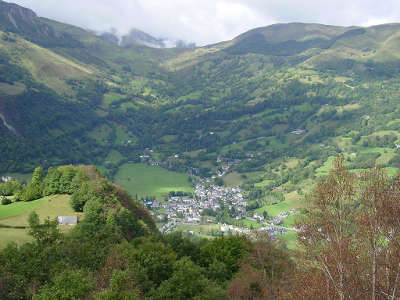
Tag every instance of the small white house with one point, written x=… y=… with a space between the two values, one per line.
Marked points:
x=67 y=220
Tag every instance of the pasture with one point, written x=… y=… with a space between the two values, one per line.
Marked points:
x=144 y=180
x=16 y=215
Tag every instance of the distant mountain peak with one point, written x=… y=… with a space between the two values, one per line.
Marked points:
x=139 y=37
x=136 y=36
x=24 y=21
x=12 y=15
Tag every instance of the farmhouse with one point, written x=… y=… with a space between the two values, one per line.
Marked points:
x=67 y=220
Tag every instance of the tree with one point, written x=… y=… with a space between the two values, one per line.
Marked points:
x=37 y=177
x=45 y=233
x=379 y=233
x=327 y=230
x=188 y=282
x=351 y=235
x=69 y=284
x=228 y=250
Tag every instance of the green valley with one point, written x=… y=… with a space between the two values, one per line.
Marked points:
x=267 y=111
x=262 y=167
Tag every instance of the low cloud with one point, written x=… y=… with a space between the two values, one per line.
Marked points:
x=210 y=21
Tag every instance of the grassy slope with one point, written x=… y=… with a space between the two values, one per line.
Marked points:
x=145 y=180
x=16 y=214
x=46 y=66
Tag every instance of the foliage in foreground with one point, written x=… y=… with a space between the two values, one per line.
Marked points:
x=116 y=253
x=349 y=237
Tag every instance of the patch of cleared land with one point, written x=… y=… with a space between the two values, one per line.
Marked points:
x=145 y=180
x=16 y=214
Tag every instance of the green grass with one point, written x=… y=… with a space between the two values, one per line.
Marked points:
x=17 y=208
x=101 y=134
x=18 y=236
x=391 y=171
x=51 y=206
x=16 y=214
x=290 y=239
x=275 y=209
x=233 y=179
x=263 y=183
x=123 y=136
x=378 y=150
x=292 y=200
x=145 y=180
x=289 y=221
x=326 y=167
x=198 y=228
x=250 y=223
x=110 y=98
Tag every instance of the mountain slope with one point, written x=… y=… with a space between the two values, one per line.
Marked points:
x=240 y=99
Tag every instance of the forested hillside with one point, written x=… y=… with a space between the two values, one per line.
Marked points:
x=68 y=96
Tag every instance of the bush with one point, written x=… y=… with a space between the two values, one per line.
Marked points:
x=10 y=188
x=5 y=201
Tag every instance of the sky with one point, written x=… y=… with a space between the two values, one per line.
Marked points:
x=210 y=21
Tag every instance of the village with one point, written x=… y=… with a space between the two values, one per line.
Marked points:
x=190 y=211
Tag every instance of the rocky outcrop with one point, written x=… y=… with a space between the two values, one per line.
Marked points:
x=25 y=22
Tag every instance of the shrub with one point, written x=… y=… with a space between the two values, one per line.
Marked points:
x=5 y=201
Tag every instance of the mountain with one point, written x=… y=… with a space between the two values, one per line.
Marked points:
x=136 y=36
x=25 y=22
x=283 y=95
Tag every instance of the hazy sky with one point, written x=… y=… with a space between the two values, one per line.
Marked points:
x=210 y=21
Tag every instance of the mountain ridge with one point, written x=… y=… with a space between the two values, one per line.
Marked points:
x=171 y=99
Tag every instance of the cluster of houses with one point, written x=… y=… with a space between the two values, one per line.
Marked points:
x=283 y=215
x=270 y=229
x=6 y=178
x=211 y=196
x=187 y=211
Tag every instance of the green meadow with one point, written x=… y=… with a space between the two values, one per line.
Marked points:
x=145 y=180
x=16 y=215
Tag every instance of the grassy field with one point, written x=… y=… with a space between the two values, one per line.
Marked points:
x=145 y=180
x=292 y=200
x=18 y=208
x=289 y=221
x=290 y=239
x=16 y=214
x=233 y=179
x=251 y=224
x=199 y=228
x=326 y=167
